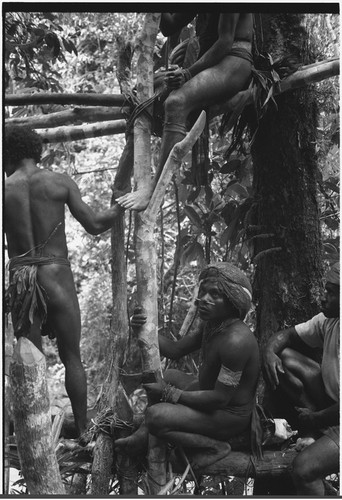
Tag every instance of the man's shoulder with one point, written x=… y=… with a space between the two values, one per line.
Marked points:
x=238 y=333
x=56 y=178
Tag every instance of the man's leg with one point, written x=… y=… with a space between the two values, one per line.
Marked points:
x=136 y=443
x=163 y=419
x=313 y=464
x=64 y=318
x=209 y=87
x=302 y=380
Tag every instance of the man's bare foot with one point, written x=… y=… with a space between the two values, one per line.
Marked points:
x=138 y=200
x=118 y=193
x=132 y=445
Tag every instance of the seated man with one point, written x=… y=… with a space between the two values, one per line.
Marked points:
x=195 y=412
x=41 y=296
x=314 y=389
x=222 y=69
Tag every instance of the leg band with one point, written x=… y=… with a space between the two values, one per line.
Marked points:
x=175 y=127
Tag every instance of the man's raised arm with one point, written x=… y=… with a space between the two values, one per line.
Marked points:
x=177 y=349
x=93 y=223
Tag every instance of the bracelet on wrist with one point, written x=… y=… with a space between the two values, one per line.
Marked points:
x=171 y=394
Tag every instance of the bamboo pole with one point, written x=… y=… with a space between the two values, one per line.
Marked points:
x=32 y=420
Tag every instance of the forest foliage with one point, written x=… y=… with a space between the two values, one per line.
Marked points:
x=77 y=52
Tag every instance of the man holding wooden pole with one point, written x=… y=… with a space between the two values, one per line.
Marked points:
x=202 y=414
x=41 y=295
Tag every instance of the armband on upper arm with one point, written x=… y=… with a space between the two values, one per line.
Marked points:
x=228 y=377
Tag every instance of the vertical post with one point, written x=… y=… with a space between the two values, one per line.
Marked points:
x=145 y=249
x=32 y=420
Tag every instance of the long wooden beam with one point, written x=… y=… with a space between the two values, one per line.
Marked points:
x=52 y=98
x=72 y=133
x=241 y=464
x=74 y=116
x=312 y=73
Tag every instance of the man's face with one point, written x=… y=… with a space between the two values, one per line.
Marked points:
x=330 y=302
x=212 y=304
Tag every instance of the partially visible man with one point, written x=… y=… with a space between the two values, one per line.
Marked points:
x=313 y=388
x=220 y=402
x=223 y=69
x=41 y=295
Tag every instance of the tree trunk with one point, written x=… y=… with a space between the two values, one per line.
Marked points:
x=288 y=265
x=102 y=467
x=32 y=420
x=285 y=181
x=112 y=397
x=145 y=250
x=8 y=403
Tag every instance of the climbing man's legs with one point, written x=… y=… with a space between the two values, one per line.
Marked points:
x=211 y=86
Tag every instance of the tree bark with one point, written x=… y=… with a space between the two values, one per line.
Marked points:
x=288 y=273
x=32 y=420
x=145 y=250
x=113 y=395
x=73 y=116
x=102 y=467
x=8 y=403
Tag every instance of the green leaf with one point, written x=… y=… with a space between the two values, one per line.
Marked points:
x=238 y=189
x=193 y=216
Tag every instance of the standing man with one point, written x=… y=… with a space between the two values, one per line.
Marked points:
x=222 y=69
x=313 y=388
x=41 y=295
x=196 y=412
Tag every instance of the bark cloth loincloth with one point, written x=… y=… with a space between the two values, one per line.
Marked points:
x=25 y=298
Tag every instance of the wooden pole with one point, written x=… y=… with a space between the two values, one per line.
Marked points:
x=64 y=99
x=75 y=116
x=145 y=250
x=32 y=420
x=241 y=464
x=76 y=133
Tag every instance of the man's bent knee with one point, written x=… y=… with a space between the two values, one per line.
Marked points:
x=304 y=470
x=156 y=418
x=175 y=104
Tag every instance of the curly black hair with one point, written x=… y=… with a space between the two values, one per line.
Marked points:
x=22 y=142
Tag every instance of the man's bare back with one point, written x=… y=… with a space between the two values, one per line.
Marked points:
x=41 y=295
x=35 y=209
